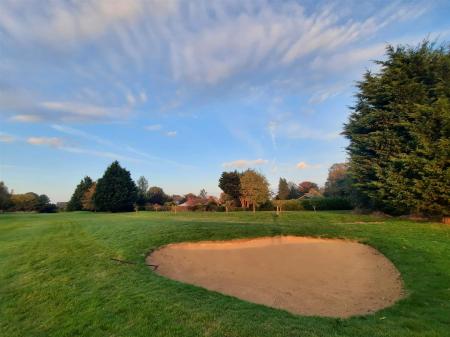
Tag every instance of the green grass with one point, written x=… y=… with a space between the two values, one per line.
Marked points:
x=57 y=279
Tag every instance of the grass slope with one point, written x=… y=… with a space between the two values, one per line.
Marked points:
x=57 y=279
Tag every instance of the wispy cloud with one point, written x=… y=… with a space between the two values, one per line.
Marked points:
x=6 y=138
x=83 y=111
x=79 y=133
x=304 y=166
x=153 y=127
x=244 y=163
x=26 y=118
x=50 y=141
x=171 y=133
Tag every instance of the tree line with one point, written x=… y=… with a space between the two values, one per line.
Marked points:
x=26 y=202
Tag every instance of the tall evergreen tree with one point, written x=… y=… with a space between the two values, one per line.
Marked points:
x=5 y=197
x=283 y=189
x=230 y=183
x=75 y=203
x=115 y=191
x=399 y=132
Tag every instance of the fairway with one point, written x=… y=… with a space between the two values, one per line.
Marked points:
x=57 y=276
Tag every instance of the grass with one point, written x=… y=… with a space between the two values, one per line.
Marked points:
x=57 y=277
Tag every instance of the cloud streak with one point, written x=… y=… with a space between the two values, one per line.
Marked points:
x=244 y=163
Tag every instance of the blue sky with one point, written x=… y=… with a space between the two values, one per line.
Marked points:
x=179 y=91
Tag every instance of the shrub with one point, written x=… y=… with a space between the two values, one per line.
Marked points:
x=323 y=204
x=290 y=205
x=267 y=206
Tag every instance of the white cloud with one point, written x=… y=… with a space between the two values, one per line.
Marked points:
x=70 y=22
x=303 y=166
x=200 y=42
x=171 y=133
x=49 y=141
x=243 y=163
x=96 y=153
x=26 y=118
x=292 y=129
x=131 y=99
x=153 y=127
x=75 y=111
x=143 y=96
x=79 y=133
x=6 y=138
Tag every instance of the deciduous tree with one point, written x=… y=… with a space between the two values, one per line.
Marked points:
x=75 y=203
x=283 y=189
x=88 y=198
x=142 y=188
x=305 y=186
x=156 y=195
x=338 y=183
x=254 y=188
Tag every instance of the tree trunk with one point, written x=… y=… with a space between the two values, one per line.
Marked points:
x=254 y=208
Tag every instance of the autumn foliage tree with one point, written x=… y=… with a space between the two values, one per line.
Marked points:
x=254 y=188
x=306 y=186
x=75 y=202
x=88 y=198
x=338 y=183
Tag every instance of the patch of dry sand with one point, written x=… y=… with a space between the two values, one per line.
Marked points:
x=306 y=276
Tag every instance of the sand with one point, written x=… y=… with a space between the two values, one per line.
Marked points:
x=306 y=276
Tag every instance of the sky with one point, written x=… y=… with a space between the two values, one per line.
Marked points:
x=179 y=91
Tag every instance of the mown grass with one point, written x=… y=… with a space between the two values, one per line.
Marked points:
x=57 y=277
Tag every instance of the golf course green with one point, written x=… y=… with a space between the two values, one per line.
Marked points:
x=58 y=276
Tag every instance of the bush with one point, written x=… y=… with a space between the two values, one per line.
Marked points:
x=326 y=204
x=267 y=206
x=290 y=205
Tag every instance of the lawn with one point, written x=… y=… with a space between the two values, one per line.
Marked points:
x=57 y=277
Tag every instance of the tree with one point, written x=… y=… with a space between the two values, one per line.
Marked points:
x=294 y=192
x=338 y=183
x=27 y=202
x=230 y=183
x=142 y=187
x=156 y=195
x=88 y=198
x=203 y=194
x=254 y=188
x=305 y=186
x=75 y=203
x=115 y=191
x=283 y=189
x=399 y=132
x=227 y=201
x=5 y=197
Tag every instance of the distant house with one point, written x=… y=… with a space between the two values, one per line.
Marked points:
x=61 y=205
x=190 y=202
x=194 y=202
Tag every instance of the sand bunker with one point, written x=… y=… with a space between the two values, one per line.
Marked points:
x=307 y=276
